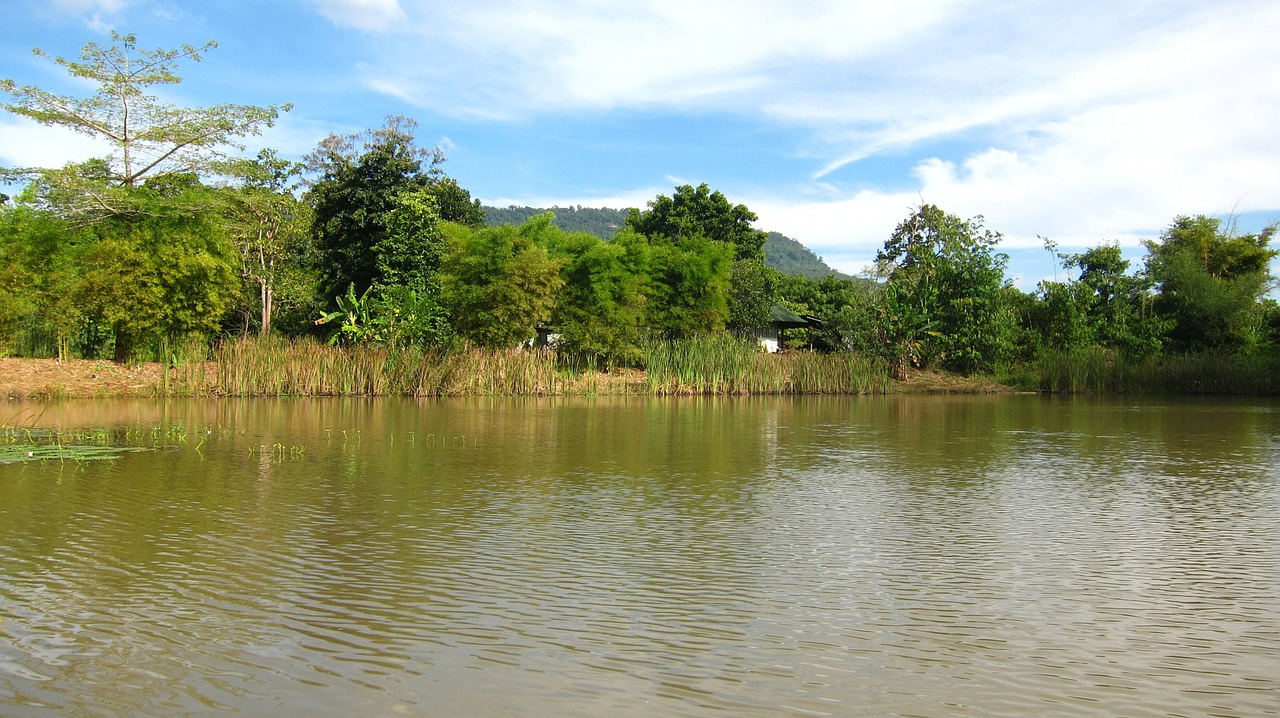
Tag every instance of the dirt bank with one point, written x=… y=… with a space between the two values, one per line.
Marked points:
x=76 y=378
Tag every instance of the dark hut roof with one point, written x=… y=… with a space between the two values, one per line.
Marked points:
x=783 y=318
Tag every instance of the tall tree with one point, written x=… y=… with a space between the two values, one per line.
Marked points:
x=1209 y=283
x=271 y=228
x=689 y=286
x=41 y=265
x=753 y=290
x=500 y=284
x=945 y=298
x=455 y=204
x=362 y=181
x=601 y=309
x=691 y=212
x=150 y=139
x=163 y=277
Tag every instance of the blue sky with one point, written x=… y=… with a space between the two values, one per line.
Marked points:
x=831 y=119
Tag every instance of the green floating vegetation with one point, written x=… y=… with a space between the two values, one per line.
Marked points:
x=18 y=453
x=24 y=444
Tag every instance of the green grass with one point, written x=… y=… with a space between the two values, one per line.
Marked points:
x=1094 y=370
x=722 y=364
x=709 y=365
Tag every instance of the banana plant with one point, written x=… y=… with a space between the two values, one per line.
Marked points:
x=905 y=327
x=358 y=323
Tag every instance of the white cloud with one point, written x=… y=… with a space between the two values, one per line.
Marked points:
x=362 y=14
x=25 y=143
x=96 y=14
x=510 y=57
x=1111 y=144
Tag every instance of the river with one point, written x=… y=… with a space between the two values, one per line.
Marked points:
x=807 y=556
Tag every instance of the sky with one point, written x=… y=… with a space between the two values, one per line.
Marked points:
x=1082 y=122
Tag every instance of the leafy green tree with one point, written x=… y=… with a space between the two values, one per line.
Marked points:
x=753 y=290
x=1060 y=316
x=40 y=266
x=362 y=179
x=698 y=212
x=849 y=310
x=1209 y=283
x=1117 y=305
x=499 y=284
x=688 y=286
x=409 y=260
x=601 y=308
x=151 y=139
x=159 y=279
x=270 y=227
x=455 y=204
x=410 y=250
x=945 y=293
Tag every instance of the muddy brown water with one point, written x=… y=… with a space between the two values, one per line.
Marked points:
x=874 y=556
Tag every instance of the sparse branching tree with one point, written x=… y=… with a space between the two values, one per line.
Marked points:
x=149 y=139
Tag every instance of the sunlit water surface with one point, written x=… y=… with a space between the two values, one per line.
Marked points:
x=912 y=556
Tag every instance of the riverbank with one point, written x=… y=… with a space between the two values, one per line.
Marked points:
x=46 y=379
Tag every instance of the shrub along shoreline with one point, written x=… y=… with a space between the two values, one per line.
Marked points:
x=276 y=367
x=718 y=365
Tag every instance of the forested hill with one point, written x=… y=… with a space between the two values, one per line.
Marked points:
x=602 y=222
x=780 y=252
x=790 y=257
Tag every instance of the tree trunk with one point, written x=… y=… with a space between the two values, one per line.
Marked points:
x=265 y=294
x=900 y=367
x=124 y=346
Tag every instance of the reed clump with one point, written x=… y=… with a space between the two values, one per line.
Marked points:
x=303 y=367
x=722 y=364
x=1093 y=370
x=702 y=365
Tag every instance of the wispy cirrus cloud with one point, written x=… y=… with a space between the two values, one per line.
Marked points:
x=371 y=15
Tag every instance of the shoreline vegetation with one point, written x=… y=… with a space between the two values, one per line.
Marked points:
x=257 y=367
x=171 y=249
x=274 y=367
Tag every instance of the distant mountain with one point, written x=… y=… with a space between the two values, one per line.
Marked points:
x=790 y=257
x=602 y=222
x=782 y=253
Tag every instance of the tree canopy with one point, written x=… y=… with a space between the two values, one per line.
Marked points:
x=699 y=212
x=150 y=139
x=363 y=180
x=945 y=292
x=1209 y=282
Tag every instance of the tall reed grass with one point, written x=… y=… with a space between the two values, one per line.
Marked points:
x=302 y=367
x=723 y=364
x=711 y=365
x=1093 y=370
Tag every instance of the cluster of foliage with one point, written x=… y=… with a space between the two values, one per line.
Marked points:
x=780 y=252
x=368 y=242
